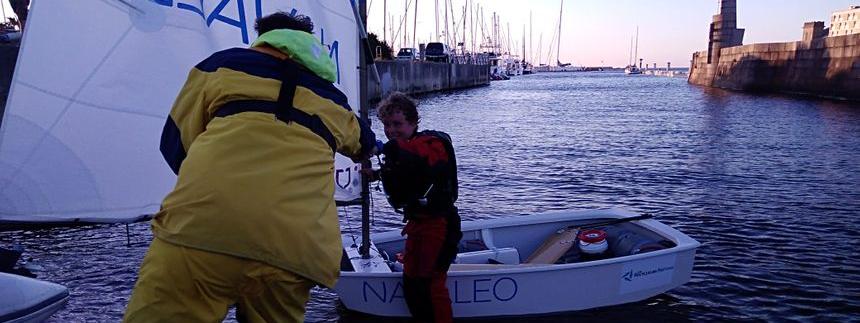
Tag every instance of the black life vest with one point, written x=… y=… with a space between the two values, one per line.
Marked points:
x=420 y=174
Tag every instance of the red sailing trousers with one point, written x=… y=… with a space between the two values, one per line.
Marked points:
x=425 y=269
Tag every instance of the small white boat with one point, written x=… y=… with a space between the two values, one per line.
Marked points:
x=25 y=300
x=631 y=68
x=644 y=258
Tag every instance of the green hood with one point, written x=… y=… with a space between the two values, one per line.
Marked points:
x=303 y=48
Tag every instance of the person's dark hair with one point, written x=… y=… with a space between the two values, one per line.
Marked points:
x=399 y=102
x=283 y=20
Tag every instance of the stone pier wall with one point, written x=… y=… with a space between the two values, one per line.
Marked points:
x=414 y=77
x=828 y=67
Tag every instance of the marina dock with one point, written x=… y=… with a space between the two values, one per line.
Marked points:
x=416 y=77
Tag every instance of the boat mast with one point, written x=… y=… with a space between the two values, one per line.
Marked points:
x=452 y=42
x=523 y=60
x=415 y=25
x=437 y=19
x=447 y=37
x=636 y=53
x=493 y=34
x=385 y=21
x=540 y=44
x=472 y=25
x=366 y=67
x=364 y=249
x=405 y=27
x=508 y=45
x=630 y=55
x=464 y=28
x=558 y=43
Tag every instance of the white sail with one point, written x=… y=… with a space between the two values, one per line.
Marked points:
x=94 y=82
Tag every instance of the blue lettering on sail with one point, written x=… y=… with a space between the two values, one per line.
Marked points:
x=259 y=8
x=241 y=22
x=332 y=53
x=197 y=10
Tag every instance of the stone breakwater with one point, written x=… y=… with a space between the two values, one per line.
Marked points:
x=414 y=77
x=827 y=67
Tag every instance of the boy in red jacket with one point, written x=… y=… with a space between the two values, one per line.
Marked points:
x=419 y=175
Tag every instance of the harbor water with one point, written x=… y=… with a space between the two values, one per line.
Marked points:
x=769 y=184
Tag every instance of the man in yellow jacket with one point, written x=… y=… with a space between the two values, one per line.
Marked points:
x=252 y=219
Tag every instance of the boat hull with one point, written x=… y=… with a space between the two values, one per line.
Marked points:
x=531 y=289
x=25 y=300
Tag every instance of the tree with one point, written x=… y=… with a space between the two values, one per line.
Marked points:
x=21 y=8
x=9 y=24
x=386 y=52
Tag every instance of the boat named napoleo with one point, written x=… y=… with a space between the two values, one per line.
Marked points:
x=463 y=291
x=644 y=258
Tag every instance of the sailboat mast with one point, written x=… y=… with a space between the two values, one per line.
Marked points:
x=493 y=32
x=472 y=25
x=405 y=24
x=415 y=25
x=453 y=41
x=636 y=53
x=385 y=21
x=558 y=43
x=436 y=11
x=630 y=55
x=364 y=249
x=447 y=36
x=540 y=44
x=508 y=46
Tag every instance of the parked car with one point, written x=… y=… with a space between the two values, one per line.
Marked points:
x=407 y=54
x=437 y=52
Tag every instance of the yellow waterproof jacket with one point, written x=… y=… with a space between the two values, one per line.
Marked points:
x=255 y=175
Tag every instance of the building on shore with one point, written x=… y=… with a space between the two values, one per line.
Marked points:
x=845 y=22
x=818 y=64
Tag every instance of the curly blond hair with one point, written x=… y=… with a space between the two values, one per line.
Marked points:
x=399 y=102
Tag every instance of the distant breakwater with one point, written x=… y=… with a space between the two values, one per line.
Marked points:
x=826 y=67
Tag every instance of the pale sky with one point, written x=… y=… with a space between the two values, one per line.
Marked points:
x=598 y=32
